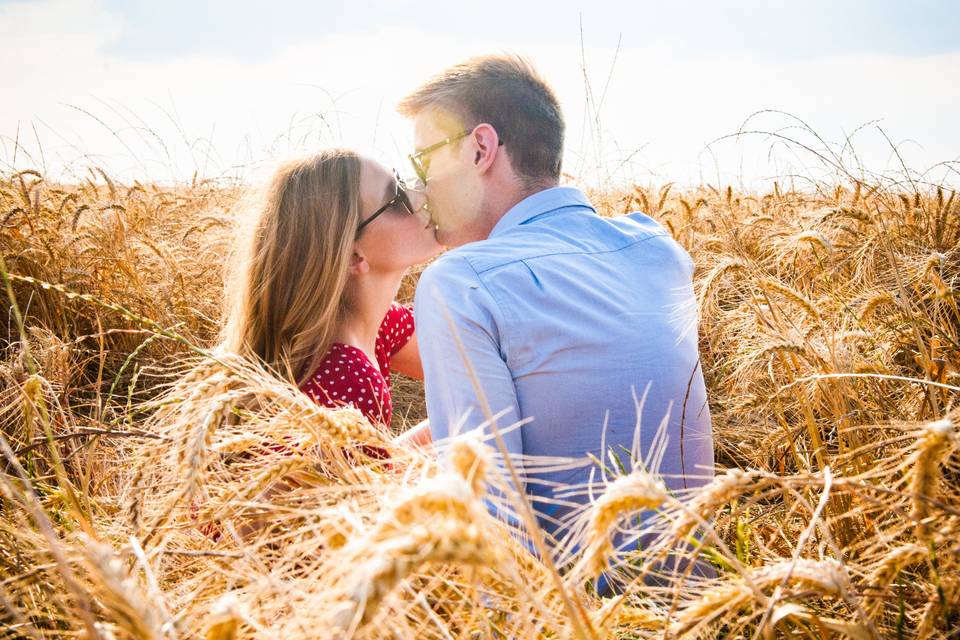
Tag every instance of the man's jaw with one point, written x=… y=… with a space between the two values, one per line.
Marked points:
x=442 y=237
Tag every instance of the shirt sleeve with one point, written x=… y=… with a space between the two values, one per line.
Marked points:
x=397 y=328
x=451 y=286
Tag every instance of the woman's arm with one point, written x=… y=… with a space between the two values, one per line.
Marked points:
x=407 y=360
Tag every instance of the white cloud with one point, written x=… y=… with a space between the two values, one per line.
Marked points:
x=342 y=89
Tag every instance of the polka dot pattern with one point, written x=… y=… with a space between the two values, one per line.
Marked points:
x=346 y=376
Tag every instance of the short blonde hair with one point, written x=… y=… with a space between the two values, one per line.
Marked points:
x=506 y=92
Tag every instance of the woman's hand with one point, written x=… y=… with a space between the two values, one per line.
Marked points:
x=417 y=435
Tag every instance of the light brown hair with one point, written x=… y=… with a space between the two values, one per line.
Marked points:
x=287 y=288
x=506 y=92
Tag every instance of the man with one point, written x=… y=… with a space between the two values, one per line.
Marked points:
x=566 y=317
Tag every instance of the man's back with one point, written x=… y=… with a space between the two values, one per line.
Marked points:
x=567 y=317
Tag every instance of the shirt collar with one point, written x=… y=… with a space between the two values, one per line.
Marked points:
x=539 y=203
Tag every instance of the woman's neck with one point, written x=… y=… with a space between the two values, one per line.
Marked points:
x=370 y=298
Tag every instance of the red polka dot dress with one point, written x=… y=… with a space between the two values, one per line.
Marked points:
x=346 y=376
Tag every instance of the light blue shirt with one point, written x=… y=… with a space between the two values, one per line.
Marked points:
x=567 y=317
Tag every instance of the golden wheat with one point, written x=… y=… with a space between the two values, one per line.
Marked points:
x=263 y=514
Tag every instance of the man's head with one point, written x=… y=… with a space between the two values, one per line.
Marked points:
x=493 y=134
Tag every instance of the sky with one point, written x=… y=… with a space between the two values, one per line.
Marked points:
x=652 y=92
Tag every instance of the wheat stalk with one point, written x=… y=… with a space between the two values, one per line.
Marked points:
x=870 y=307
x=934 y=442
x=119 y=594
x=793 y=295
x=434 y=522
x=826 y=577
x=224 y=620
x=631 y=493
x=722 y=489
x=471 y=459
x=813 y=237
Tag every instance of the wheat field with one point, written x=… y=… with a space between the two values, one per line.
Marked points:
x=154 y=487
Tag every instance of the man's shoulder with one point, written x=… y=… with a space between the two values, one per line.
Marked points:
x=449 y=266
x=510 y=247
x=468 y=262
x=565 y=235
x=450 y=285
x=587 y=234
x=450 y=277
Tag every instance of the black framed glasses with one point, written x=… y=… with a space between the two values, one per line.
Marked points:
x=400 y=197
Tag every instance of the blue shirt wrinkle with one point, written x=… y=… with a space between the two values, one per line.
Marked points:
x=563 y=313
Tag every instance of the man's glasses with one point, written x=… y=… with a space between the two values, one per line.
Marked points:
x=400 y=197
x=419 y=159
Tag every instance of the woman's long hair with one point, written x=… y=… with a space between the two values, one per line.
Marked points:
x=286 y=291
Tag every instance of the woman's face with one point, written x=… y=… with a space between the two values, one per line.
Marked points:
x=395 y=240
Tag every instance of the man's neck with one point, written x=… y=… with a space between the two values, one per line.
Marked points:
x=506 y=200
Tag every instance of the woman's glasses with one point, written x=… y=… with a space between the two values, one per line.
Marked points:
x=400 y=197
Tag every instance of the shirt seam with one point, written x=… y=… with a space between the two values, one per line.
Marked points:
x=573 y=202
x=480 y=272
x=496 y=233
x=505 y=342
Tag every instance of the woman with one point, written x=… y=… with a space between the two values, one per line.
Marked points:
x=314 y=294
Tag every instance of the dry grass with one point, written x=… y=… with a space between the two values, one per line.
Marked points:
x=150 y=489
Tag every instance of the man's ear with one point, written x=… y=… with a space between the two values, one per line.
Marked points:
x=358 y=264
x=486 y=145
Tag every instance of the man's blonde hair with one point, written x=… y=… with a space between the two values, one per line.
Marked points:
x=506 y=92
